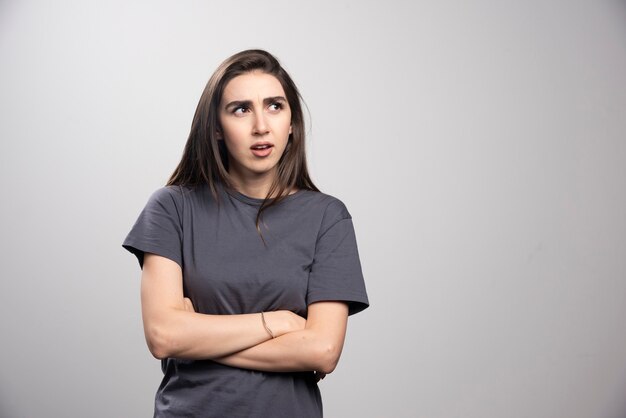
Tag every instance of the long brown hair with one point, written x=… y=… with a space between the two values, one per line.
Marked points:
x=205 y=158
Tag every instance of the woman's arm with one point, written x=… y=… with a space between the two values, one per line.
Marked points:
x=317 y=347
x=173 y=331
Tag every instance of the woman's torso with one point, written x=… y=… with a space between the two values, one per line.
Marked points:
x=227 y=269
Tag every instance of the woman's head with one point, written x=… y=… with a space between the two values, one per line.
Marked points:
x=206 y=158
x=254 y=126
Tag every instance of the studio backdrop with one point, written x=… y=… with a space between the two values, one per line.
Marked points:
x=480 y=146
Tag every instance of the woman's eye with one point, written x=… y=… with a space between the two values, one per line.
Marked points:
x=276 y=106
x=239 y=110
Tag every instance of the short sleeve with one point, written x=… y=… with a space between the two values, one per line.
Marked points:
x=158 y=229
x=336 y=269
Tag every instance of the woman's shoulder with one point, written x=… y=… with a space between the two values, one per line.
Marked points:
x=171 y=192
x=172 y=197
x=330 y=205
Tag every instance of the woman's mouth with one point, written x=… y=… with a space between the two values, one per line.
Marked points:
x=262 y=150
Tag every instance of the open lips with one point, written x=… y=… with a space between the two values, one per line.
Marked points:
x=262 y=149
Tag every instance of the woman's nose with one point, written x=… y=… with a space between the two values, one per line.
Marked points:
x=260 y=125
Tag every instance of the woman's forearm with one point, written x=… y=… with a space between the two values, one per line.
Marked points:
x=295 y=351
x=183 y=334
x=315 y=348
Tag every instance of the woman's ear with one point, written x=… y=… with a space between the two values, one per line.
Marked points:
x=289 y=129
x=218 y=135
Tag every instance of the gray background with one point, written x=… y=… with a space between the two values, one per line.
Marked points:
x=479 y=146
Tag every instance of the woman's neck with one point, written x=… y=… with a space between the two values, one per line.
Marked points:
x=256 y=186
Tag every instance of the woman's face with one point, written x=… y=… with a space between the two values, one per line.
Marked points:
x=256 y=122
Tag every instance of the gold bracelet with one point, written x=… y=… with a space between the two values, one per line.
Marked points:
x=269 y=331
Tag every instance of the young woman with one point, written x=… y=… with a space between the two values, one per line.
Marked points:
x=249 y=271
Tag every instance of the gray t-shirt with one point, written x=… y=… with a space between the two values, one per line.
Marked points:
x=310 y=255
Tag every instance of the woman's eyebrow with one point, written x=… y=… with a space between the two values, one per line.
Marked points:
x=238 y=103
x=248 y=103
x=269 y=100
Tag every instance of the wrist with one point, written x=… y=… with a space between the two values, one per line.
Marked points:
x=267 y=328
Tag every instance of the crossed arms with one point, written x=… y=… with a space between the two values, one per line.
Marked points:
x=173 y=329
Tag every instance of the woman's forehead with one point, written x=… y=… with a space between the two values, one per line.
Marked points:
x=253 y=85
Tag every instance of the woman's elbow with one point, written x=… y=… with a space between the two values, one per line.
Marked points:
x=158 y=352
x=327 y=358
x=158 y=342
